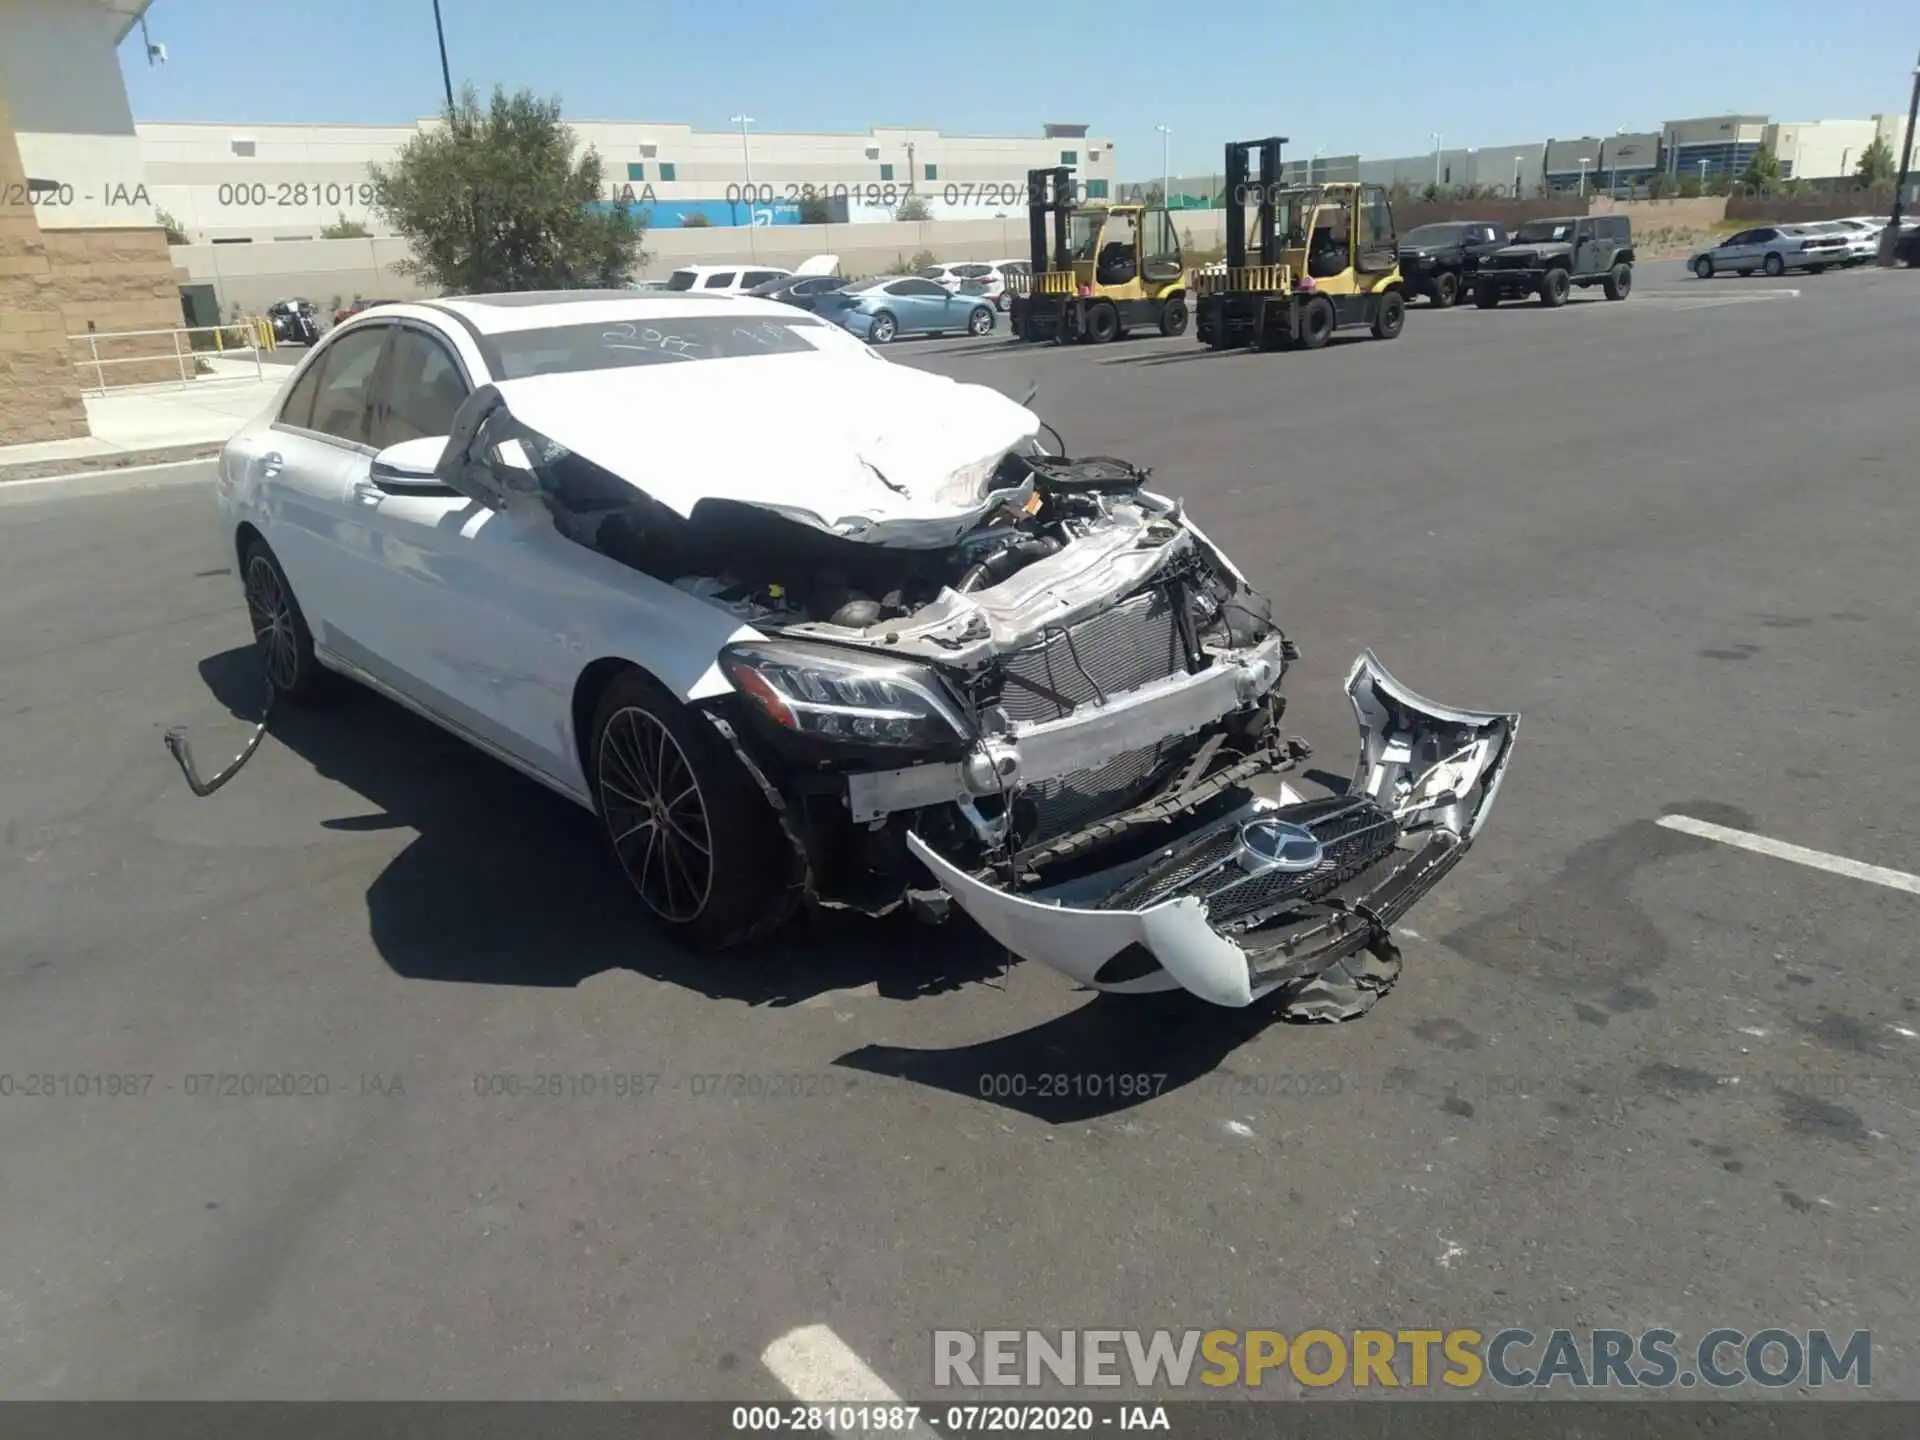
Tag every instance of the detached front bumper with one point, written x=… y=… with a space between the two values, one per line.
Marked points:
x=1233 y=907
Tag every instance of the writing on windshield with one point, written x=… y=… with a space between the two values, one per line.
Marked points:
x=565 y=349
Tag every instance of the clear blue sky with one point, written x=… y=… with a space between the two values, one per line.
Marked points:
x=1492 y=72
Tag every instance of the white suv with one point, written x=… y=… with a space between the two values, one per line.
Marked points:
x=990 y=276
x=738 y=279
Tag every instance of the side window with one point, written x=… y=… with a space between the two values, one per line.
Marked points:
x=759 y=277
x=1160 y=247
x=340 y=404
x=423 y=390
x=915 y=287
x=298 y=410
x=719 y=280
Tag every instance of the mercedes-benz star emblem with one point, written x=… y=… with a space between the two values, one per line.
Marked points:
x=1278 y=845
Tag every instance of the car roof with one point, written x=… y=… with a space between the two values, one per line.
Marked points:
x=534 y=310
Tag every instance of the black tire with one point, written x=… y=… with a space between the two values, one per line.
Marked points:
x=1173 y=317
x=1003 y=302
x=1815 y=269
x=1345 y=990
x=883 y=329
x=1445 y=290
x=1485 y=295
x=1619 y=282
x=980 y=322
x=1555 y=286
x=1390 y=317
x=279 y=626
x=664 y=782
x=1316 y=322
x=1103 y=323
x=1703 y=267
x=1774 y=265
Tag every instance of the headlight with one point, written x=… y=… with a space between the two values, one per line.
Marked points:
x=832 y=695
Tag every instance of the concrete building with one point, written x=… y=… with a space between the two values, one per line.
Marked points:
x=80 y=251
x=1716 y=145
x=238 y=182
x=1824 y=149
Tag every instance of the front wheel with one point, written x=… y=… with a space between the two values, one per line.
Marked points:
x=980 y=322
x=1173 y=317
x=688 y=827
x=1391 y=317
x=1555 y=286
x=1619 y=282
x=1486 y=295
x=883 y=329
x=1703 y=267
x=1446 y=289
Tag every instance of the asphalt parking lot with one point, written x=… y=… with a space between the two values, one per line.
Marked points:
x=1633 y=1075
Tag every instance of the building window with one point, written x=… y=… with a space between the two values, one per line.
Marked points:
x=667 y=170
x=1096 y=189
x=636 y=172
x=933 y=172
x=1069 y=157
x=886 y=172
x=243 y=147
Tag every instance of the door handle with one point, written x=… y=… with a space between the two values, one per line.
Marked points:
x=366 y=490
x=270 y=464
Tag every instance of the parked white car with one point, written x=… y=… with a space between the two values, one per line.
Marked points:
x=738 y=279
x=1862 y=237
x=875 y=647
x=1772 y=249
x=985 y=278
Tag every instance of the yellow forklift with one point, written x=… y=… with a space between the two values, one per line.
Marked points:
x=1324 y=258
x=1107 y=269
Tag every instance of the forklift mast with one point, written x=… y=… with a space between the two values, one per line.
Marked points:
x=1238 y=180
x=1049 y=192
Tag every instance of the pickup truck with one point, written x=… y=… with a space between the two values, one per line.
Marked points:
x=1439 y=261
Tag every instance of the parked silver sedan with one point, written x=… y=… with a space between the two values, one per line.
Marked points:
x=1774 y=249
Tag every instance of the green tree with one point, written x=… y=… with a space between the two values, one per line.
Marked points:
x=1658 y=184
x=344 y=229
x=696 y=221
x=925 y=260
x=1762 y=175
x=1876 y=168
x=913 y=208
x=1689 y=187
x=497 y=199
x=815 y=210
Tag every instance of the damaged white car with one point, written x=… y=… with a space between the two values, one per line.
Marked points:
x=803 y=626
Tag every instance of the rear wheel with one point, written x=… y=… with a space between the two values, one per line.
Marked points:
x=1446 y=289
x=1103 y=323
x=1774 y=265
x=688 y=827
x=1173 y=317
x=279 y=628
x=1316 y=322
x=1390 y=317
x=1554 y=287
x=883 y=329
x=980 y=322
x=1619 y=282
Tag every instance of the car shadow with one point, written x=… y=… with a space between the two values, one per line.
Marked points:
x=1112 y=1054
x=507 y=883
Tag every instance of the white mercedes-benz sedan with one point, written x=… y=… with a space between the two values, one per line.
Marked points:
x=803 y=626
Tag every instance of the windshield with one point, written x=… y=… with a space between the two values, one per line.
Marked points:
x=666 y=339
x=1537 y=230
x=1435 y=234
x=1083 y=233
x=681 y=280
x=1291 y=209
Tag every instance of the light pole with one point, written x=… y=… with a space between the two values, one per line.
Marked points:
x=1891 y=235
x=1585 y=160
x=1436 y=159
x=1516 y=177
x=1703 y=177
x=1613 y=179
x=446 y=75
x=746 y=160
x=1165 y=135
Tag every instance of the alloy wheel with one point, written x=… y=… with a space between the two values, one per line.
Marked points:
x=272 y=618
x=656 y=815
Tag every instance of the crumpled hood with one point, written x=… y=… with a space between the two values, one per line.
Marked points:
x=854 y=445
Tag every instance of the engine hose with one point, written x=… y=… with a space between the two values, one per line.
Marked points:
x=1002 y=563
x=182 y=752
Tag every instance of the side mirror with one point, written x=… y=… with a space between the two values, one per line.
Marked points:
x=410 y=465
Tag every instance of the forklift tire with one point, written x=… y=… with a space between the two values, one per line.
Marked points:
x=1316 y=323
x=1390 y=317
x=1619 y=282
x=1486 y=296
x=1555 y=285
x=1103 y=323
x=1445 y=290
x=1173 y=317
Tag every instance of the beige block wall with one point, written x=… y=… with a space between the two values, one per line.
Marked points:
x=39 y=389
x=115 y=281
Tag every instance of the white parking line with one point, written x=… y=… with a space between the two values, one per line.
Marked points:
x=1799 y=854
x=817 y=1368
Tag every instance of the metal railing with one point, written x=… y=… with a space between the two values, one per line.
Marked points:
x=251 y=336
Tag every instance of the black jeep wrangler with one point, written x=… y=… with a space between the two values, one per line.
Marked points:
x=1440 y=261
x=1549 y=257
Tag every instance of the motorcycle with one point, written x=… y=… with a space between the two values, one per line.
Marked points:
x=294 y=322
